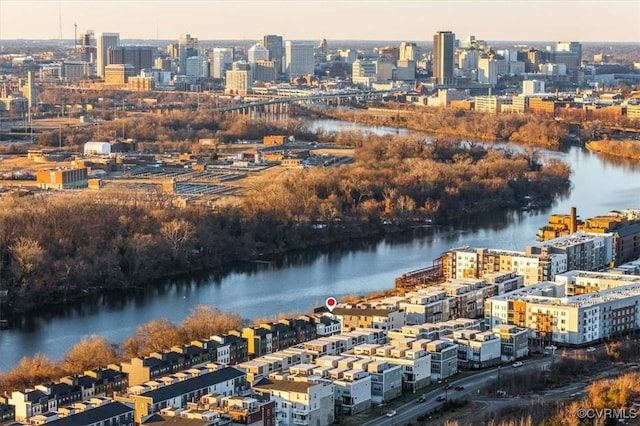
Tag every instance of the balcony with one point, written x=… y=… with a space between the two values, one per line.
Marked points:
x=300 y=421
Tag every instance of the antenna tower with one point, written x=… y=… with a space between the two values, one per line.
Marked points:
x=60 y=23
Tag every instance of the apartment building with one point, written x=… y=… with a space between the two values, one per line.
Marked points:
x=415 y=363
x=444 y=358
x=583 y=251
x=108 y=413
x=43 y=399
x=382 y=319
x=477 y=349
x=226 y=381
x=623 y=225
x=514 y=342
x=553 y=316
x=7 y=411
x=300 y=402
x=534 y=266
x=352 y=391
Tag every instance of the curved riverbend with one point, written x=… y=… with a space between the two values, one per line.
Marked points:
x=303 y=279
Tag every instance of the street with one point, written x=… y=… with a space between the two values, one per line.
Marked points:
x=472 y=384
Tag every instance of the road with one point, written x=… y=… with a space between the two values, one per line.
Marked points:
x=471 y=384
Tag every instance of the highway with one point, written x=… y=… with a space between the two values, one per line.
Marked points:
x=472 y=384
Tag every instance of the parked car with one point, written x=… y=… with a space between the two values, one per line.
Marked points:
x=391 y=413
x=440 y=398
x=517 y=364
x=551 y=348
x=459 y=387
x=591 y=349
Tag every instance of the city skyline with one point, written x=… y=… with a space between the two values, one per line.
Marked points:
x=344 y=20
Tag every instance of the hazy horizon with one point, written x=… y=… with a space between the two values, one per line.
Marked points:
x=370 y=20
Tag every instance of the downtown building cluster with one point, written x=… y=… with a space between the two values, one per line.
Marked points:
x=467 y=74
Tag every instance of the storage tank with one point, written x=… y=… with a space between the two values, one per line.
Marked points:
x=97 y=148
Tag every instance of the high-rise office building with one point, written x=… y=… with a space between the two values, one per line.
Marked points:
x=140 y=57
x=443 y=56
x=299 y=59
x=487 y=70
x=104 y=42
x=258 y=53
x=568 y=53
x=264 y=71
x=187 y=47
x=390 y=52
x=198 y=67
x=221 y=60
x=408 y=51
x=273 y=43
x=85 y=47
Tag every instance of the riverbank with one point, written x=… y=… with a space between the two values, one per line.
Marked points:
x=531 y=129
x=629 y=149
x=301 y=279
x=66 y=246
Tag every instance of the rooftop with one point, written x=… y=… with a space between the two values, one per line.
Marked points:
x=94 y=415
x=283 y=385
x=186 y=386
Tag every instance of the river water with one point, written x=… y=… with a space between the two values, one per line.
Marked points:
x=296 y=282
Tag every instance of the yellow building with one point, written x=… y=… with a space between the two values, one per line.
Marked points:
x=63 y=179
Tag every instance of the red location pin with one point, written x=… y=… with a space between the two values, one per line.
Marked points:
x=331 y=303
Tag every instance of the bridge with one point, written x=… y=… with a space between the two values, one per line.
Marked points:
x=280 y=105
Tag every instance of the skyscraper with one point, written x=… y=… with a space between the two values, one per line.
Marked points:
x=140 y=57
x=273 y=43
x=569 y=53
x=85 y=47
x=258 y=53
x=187 y=47
x=104 y=41
x=221 y=60
x=299 y=58
x=443 y=49
x=408 y=51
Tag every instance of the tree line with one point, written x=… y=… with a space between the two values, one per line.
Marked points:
x=618 y=148
x=529 y=129
x=95 y=351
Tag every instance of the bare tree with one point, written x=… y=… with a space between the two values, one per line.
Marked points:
x=91 y=352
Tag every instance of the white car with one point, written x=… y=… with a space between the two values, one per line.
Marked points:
x=551 y=348
x=517 y=364
x=591 y=349
x=391 y=413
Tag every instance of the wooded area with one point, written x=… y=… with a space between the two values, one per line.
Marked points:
x=527 y=129
x=56 y=247
x=627 y=148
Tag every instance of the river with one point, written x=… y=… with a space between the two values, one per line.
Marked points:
x=300 y=280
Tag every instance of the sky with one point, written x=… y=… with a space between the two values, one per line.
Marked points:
x=410 y=20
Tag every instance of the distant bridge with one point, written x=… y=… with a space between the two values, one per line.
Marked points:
x=280 y=104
